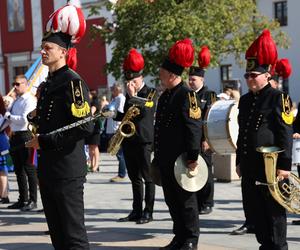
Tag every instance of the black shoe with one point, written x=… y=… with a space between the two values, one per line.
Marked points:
x=245 y=229
x=17 y=205
x=5 y=200
x=146 y=218
x=205 y=210
x=173 y=245
x=189 y=246
x=296 y=222
x=29 y=206
x=131 y=217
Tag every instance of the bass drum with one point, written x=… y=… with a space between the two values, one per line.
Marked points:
x=296 y=152
x=221 y=127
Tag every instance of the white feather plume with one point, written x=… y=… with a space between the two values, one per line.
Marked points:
x=75 y=3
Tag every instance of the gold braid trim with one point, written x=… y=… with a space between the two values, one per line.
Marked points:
x=287 y=115
x=194 y=111
x=79 y=107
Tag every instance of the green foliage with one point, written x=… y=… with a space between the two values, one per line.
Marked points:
x=226 y=26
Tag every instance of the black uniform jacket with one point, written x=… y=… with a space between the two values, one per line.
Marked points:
x=144 y=122
x=61 y=155
x=207 y=98
x=261 y=124
x=175 y=131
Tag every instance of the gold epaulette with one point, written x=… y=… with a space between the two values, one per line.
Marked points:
x=287 y=114
x=194 y=111
x=79 y=107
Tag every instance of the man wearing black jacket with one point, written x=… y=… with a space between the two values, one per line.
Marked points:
x=137 y=149
x=178 y=130
x=206 y=97
x=63 y=99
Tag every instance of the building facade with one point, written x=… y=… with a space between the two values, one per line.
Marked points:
x=286 y=12
x=22 y=25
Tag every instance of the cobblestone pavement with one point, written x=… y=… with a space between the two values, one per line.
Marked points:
x=105 y=202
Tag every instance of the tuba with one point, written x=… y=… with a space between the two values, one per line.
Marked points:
x=285 y=192
x=125 y=130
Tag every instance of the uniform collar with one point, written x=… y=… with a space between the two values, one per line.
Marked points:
x=59 y=71
x=172 y=90
x=201 y=90
x=262 y=91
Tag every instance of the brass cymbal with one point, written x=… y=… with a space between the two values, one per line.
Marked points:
x=190 y=181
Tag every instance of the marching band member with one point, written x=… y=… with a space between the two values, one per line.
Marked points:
x=137 y=149
x=206 y=97
x=265 y=119
x=178 y=130
x=63 y=99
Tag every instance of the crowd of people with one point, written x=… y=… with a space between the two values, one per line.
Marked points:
x=168 y=122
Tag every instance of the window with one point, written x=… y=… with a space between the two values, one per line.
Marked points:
x=281 y=12
x=226 y=72
x=20 y=70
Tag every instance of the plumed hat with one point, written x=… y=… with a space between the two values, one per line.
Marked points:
x=283 y=68
x=262 y=54
x=181 y=55
x=65 y=27
x=203 y=62
x=133 y=64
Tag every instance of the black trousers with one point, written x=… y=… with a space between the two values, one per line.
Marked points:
x=206 y=194
x=268 y=215
x=183 y=206
x=64 y=209
x=137 y=158
x=24 y=169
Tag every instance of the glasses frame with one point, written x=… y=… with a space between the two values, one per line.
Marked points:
x=252 y=75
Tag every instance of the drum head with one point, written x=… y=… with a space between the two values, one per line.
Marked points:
x=221 y=126
x=185 y=180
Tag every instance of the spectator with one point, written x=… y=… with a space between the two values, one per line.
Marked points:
x=93 y=140
x=117 y=102
x=24 y=169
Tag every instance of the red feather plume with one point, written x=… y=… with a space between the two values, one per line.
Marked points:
x=263 y=49
x=72 y=58
x=283 y=68
x=182 y=53
x=134 y=61
x=204 y=57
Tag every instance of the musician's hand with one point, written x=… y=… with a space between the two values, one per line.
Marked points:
x=33 y=143
x=205 y=146
x=282 y=174
x=131 y=90
x=238 y=171
x=296 y=136
x=32 y=114
x=192 y=165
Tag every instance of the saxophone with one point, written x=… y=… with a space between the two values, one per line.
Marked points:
x=125 y=130
x=287 y=192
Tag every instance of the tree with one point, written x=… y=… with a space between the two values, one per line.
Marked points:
x=152 y=26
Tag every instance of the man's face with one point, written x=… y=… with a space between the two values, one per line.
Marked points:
x=136 y=82
x=20 y=85
x=196 y=82
x=256 y=80
x=52 y=53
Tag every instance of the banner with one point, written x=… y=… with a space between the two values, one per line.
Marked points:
x=36 y=74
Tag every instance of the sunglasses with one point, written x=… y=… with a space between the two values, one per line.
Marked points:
x=17 y=84
x=252 y=75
